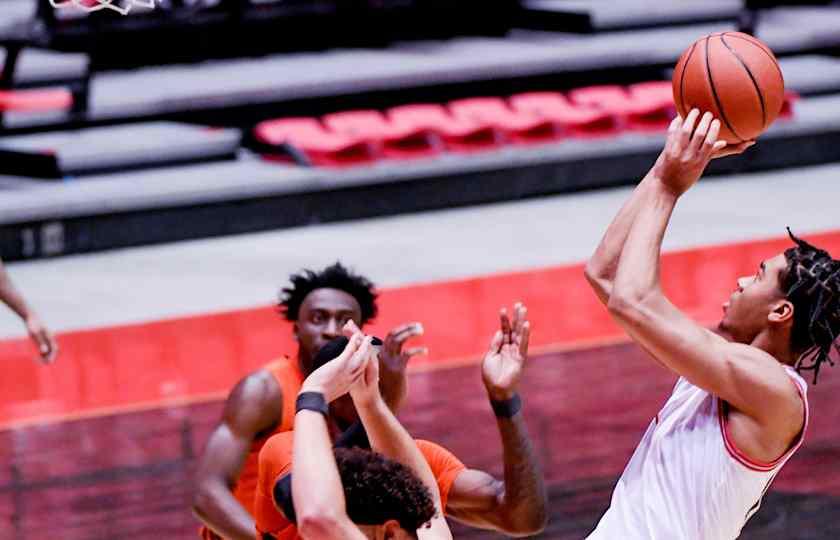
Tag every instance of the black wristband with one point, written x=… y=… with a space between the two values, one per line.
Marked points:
x=507 y=408
x=312 y=401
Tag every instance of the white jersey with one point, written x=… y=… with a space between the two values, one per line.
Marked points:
x=686 y=479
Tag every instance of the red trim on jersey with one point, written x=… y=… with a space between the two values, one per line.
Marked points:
x=745 y=460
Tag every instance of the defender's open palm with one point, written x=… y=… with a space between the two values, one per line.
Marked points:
x=503 y=363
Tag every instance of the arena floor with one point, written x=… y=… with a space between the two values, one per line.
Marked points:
x=103 y=443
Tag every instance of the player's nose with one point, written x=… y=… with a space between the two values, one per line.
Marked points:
x=332 y=329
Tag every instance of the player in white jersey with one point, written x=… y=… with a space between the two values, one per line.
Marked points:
x=739 y=408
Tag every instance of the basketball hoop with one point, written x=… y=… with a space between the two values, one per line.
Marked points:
x=121 y=7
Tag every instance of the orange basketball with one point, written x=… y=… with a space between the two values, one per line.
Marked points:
x=735 y=77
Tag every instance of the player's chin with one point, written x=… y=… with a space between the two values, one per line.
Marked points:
x=723 y=328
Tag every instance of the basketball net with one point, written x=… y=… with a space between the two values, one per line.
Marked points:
x=96 y=5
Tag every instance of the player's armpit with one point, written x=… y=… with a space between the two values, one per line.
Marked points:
x=751 y=380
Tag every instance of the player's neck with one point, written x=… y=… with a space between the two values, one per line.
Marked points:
x=304 y=362
x=776 y=344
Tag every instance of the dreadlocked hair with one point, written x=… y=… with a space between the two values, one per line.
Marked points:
x=336 y=276
x=812 y=283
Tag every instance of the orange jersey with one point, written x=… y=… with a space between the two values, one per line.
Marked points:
x=288 y=375
x=276 y=461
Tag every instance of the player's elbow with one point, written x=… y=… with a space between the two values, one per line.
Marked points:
x=201 y=500
x=621 y=304
x=593 y=272
x=528 y=523
x=322 y=523
x=526 y=517
x=628 y=302
x=203 y=496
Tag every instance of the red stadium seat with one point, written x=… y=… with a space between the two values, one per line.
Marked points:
x=394 y=141
x=574 y=120
x=645 y=109
x=457 y=134
x=518 y=126
x=658 y=98
x=319 y=145
x=791 y=97
x=35 y=100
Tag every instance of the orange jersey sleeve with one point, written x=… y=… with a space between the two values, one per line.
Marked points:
x=445 y=467
x=288 y=376
x=275 y=461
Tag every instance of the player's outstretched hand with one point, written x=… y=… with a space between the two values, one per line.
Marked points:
x=336 y=377
x=501 y=370
x=690 y=145
x=43 y=339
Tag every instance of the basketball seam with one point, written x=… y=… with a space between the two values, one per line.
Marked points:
x=715 y=95
x=682 y=78
x=752 y=78
x=763 y=49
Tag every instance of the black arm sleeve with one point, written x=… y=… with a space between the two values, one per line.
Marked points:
x=353 y=437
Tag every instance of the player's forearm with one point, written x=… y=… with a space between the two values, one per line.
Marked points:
x=602 y=265
x=637 y=276
x=393 y=386
x=525 y=500
x=388 y=437
x=10 y=295
x=316 y=484
x=218 y=509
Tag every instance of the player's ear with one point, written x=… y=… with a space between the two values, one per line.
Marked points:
x=391 y=530
x=781 y=312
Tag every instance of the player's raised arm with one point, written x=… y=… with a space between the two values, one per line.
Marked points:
x=749 y=379
x=388 y=437
x=601 y=267
x=319 y=502
x=517 y=505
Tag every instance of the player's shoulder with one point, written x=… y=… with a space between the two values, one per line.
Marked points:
x=780 y=382
x=748 y=353
x=435 y=452
x=278 y=446
x=255 y=401
x=259 y=385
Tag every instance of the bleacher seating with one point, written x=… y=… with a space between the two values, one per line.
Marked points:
x=385 y=107
x=409 y=131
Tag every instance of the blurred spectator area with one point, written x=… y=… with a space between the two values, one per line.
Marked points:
x=236 y=116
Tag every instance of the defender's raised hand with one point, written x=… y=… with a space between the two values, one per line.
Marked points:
x=503 y=363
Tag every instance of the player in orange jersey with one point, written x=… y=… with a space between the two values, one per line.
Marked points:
x=517 y=507
x=262 y=403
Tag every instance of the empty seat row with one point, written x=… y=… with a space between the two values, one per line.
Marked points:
x=466 y=125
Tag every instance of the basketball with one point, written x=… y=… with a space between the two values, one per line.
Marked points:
x=735 y=77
